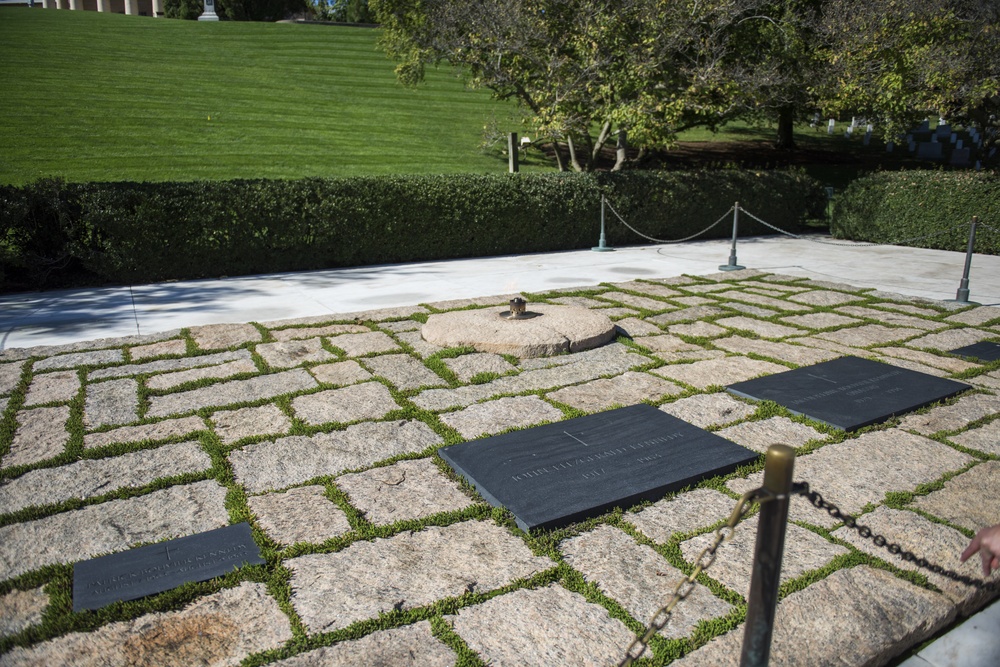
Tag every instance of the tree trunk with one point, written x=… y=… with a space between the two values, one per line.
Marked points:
x=559 y=160
x=601 y=140
x=622 y=145
x=572 y=153
x=786 y=126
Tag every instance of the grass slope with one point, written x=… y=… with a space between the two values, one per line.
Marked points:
x=91 y=96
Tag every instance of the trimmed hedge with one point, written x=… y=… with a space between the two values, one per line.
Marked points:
x=888 y=207
x=142 y=232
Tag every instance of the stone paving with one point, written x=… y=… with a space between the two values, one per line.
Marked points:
x=323 y=433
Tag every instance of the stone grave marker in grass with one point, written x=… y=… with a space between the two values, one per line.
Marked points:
x=849 y=393
x=553 y=475
x=155 y=568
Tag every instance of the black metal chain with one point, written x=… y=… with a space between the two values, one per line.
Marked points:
x=802 y=489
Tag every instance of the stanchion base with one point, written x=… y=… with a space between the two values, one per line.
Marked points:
x=731 y=267
x=603 y=248
x=966 y=302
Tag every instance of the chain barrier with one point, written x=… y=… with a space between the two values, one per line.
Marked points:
x=802 y=489
x=761 y=495
x=650 y=238
x=686 y=585
x=855 y=245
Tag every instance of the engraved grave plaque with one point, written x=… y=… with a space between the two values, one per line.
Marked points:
x=556 y=474
x=155 y=568
x=984 y=350
x=849 y=393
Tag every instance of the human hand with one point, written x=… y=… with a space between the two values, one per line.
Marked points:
x=987 y=543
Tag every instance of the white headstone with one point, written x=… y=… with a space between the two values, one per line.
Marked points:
x=869 y=128
x=889 y=146
x=209 y=13
x=830 y=126
x=912 y=145
x=958 y=143
x=934 y=139
x=868 y=138
x=954 y=137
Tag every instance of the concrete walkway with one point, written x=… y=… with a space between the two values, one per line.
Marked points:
x=319 y=425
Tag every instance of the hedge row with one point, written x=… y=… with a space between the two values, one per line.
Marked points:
x=888 y=207
x=142 y=232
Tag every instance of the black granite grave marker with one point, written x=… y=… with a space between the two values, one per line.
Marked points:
x=984 y=350
x=849 y=393
x=553 y=475
x=155 y=568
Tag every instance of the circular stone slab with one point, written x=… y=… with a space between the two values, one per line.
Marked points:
x=553 y=330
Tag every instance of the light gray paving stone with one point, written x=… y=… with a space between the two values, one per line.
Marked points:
x=341 y=373
x=415 y=340
x=297 y=459
x=653 y=289
x=869 y=334
x=21 y=353
x=358 y=345
x=635 y=576
x=696 y=329
x=412 y=569
x=878 y=616
x=950 y=364
x=233 y=425
x=162 y=430
x=746 y=308
x=217 y=630
x=968 y=500
x=403 y=491
x=369 y=400
x=75 y=359
x=222 y=336
x=633 y=326
x=41 y=434
x=908 y=308
x=797 y=354
x=912 y=365
x=400 y=326
x=760 y=435
x=764 y=291
x=952 y=339
x=20 y=610
x=619 y=312
x=611 y=359
x=3 y=404
x=888 y=317
x=772 y=286
x=95 y=477
x=626 y=389
x=376 y=315
x=705 y=288
x=501 y=415
x=953 y=417
x=704 y=374
x=826 y=284
x=287 y=354
x=467 y=366
x=824 y=298
x=10 y=376
x=706 y=410
x=665 y=343
x=985 y=438
x=733 y=276
x=684 y=513
x=879 y=462
x=111 y=403
x=824 y=344
x=490 y=300
x=410 y=646
x=692 y=300
x=297 y=333
x=112 y=526
x=820 y=320
x=689 y=355
x=674 y=280
x=936 y=542
x=976 y=316
x=580 y=301
x=635 y=301
x=302 y=514
x=220 y=372
x=170 y=365
x=758 y=300
x=542 y=627
x=804 y=551
x=57 y=387
x=404 y=371
x=759 y=327
x=164 y=348
x=687 y=314
x=919 y=300
x=235 y=391
x=988 y=380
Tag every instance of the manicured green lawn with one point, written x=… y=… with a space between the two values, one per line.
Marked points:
x=90 y=96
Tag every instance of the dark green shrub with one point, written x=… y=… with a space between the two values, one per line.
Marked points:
x=141 y=232
x=887 y=207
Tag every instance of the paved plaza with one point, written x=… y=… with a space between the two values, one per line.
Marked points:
x=322 y=432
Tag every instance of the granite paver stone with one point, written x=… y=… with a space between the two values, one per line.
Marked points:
x=500 y=415
x=301 y=514
x=683 y=513
x=626 y=389
x=704 y=410
x=369 y=400
x=222 y=336
x=969 y=500
x=409 y=646
x=41 y=434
